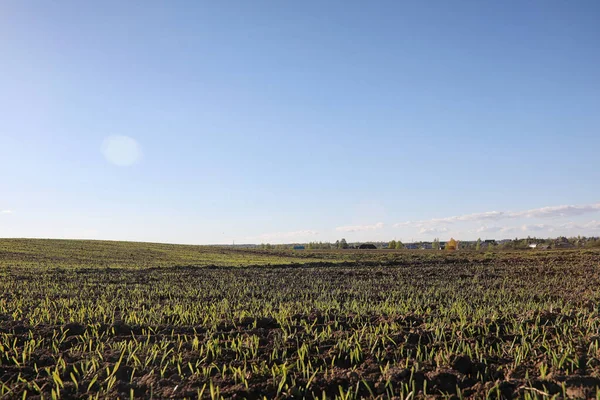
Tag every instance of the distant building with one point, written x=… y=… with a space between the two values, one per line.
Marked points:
x=564 y=245
x=367 y=246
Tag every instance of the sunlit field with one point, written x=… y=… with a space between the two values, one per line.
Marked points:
x=81 y=319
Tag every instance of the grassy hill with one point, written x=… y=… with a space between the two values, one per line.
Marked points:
x=55 y=253
x=97 y=253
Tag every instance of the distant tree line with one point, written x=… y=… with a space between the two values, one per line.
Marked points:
x=339 y=244
x=395 y=244
x=533 y=242
x=478 y=245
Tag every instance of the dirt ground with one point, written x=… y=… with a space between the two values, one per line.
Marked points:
x=502 y=326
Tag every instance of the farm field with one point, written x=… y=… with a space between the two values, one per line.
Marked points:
x=81 y=319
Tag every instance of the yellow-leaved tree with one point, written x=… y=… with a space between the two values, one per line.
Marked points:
x=452 y=245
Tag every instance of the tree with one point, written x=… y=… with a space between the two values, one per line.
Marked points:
x=435 y=244
x=399 y=245
x=592 y=243
x=478 y=245
x=343 y=244
x=392 y=244
x=337 y=244
x=452 y=245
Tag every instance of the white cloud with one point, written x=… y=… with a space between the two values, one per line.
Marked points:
x=544 y=212
x=360 y=228
x=570 y=226
x=594 y=225
x=433 y=230
x=537 y=228
x=557 y=211
x=6 y=212
x=122 y=151
x=484 y=216
x=489 y=229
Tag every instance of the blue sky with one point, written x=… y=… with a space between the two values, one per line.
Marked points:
x=296 y=121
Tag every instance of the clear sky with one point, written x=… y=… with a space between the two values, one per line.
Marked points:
x=284 y=121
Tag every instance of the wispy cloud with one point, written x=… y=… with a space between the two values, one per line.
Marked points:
x=276 y=236
x=557 y=211
x=6 y=211
x=594 y=225
x=360 y=228
x=591 y=225
x=442 y=229
x=537 y=228
x=544 y=212
x=490 y=229
x=566 y=227
x=484 y=216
